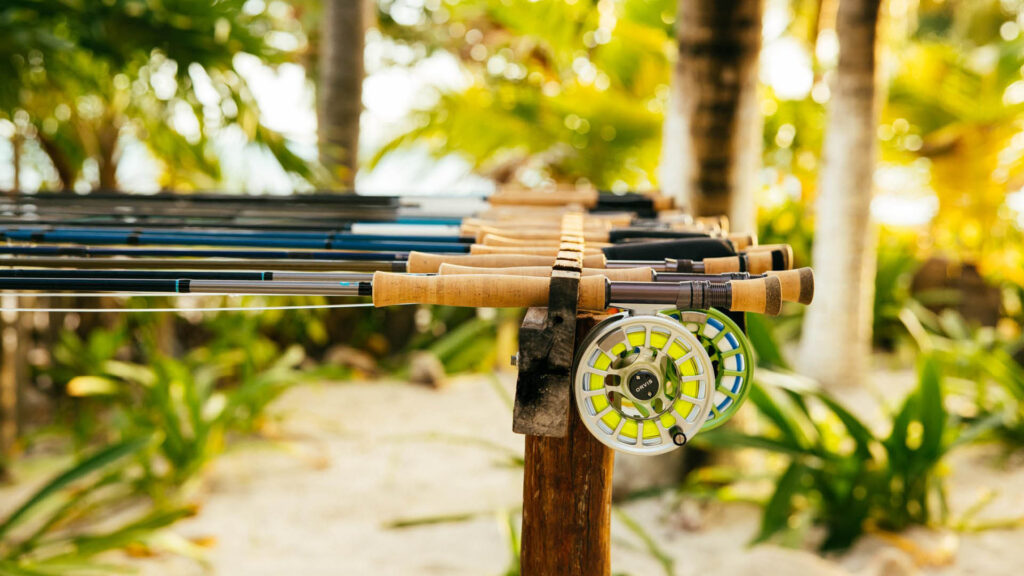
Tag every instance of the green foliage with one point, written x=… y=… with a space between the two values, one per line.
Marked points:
x=193 y=402
x=162 y=419
x=896 y=264
x=840 y=473
x=979 y=363
x=556 y=91
x=66 y=523
x=85 y=78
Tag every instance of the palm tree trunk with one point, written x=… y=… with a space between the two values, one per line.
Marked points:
x=107 y=137
x=339 y=101
x=836 y=342
x=16 y=144
x=712 y=135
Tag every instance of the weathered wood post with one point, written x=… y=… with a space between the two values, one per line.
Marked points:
x=567 y=483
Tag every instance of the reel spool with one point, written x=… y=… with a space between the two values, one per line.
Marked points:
x=643 y=384
x=731 y=355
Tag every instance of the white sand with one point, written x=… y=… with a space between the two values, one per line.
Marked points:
x=353 y=458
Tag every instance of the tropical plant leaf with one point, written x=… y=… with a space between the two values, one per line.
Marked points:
x=98 y=461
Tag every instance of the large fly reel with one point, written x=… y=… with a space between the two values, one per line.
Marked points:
x=644 y=384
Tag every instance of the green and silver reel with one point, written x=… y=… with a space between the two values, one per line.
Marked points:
x=731 y=355
x=644 y=384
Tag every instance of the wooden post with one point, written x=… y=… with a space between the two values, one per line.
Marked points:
x=567 y=498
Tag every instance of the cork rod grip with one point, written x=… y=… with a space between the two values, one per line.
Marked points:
x=474 y=290
x=761 y=295
x=527 y=250
x=587 y=198
x=524 y=231
x=762 y=262
x=722 y=265
x=493 y=240
x=426 y=263
x=613 y=274
x=797 y=285
x=742 y=241
x=786 y=249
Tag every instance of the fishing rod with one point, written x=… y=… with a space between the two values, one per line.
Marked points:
x=254 y=276
x=762 y=295
x=756 y=262
x=338 y=257
x=455 y=243
x=435 y=227
x=332 y=242
x=796 y=285
x=104 y=205
x=28 y=232
x=592 y=200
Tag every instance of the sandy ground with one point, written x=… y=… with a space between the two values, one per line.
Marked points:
x=354 y=459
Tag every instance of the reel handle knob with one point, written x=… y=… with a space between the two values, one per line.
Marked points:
x=797 y=285
x=613 y=274
x=761 y=295
x=678 y=436
x=479 y=290
x=426 y=263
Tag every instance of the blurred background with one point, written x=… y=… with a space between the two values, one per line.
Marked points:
x=883 y=140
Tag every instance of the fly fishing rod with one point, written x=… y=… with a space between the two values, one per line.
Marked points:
x=591 y=200
x=763 y=295
x=231 y=208
x=297 y=237
x=293 y=239
x=413 y=262
x=26 y=233
x=331 y=242
x=796 y=285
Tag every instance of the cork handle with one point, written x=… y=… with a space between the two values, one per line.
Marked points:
x=474 y=290
x=614 y=274
x=661 y=203
x=495 y=240
x=722 y=265
x=720 y=223
x=761 y=295
x=742 y=241
x=586 y=198
x=761 y=262
x=531 y=232
x=786 y=249
x=527 y=250
x=426 y=263
x=797 y=285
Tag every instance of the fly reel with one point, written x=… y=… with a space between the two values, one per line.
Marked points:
x=730 y=354
x=644 y=384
